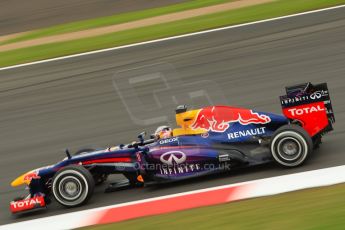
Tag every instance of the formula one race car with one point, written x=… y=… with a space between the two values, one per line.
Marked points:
x=209 y=140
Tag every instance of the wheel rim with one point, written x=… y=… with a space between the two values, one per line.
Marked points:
x=70 y=188
x=289 y=148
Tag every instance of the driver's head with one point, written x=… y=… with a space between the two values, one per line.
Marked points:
x=163 y=132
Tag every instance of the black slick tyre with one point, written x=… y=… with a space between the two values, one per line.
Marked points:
x=291 y=146
x=72 y=186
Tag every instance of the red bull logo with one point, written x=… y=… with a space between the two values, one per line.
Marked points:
x=31 y=175
x=218 y=118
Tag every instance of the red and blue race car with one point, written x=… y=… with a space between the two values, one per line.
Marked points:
x=209 y=140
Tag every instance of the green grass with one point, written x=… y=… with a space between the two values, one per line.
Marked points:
x=253 y=13
x=114 y=19
x=317 y=209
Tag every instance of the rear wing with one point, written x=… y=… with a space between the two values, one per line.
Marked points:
x=310 y=105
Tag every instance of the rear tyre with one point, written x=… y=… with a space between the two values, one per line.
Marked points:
x=291 y=145
x=73 y=186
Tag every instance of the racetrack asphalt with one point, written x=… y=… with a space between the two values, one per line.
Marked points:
x=21 y=15
x=74 y=102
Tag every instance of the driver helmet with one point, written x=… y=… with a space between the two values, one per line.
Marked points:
x=163 y=132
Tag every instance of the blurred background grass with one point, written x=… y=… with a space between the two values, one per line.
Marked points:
x=114 y=19
x=318 y=209
x=232 y=17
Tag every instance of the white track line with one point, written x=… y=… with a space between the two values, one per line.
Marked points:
x=171 y=38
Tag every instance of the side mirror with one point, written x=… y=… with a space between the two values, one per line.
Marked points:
x=68 y=154
x=141 y=136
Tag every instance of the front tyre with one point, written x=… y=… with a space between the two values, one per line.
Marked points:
x=73 y=186
x=291 y=145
